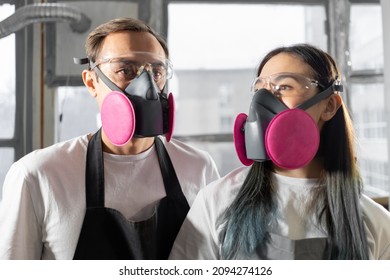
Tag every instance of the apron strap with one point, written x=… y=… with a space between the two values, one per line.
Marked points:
x=171 y=183
x=172 y=209
x=94 y=174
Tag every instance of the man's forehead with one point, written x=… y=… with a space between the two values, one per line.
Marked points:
x=121 y=43
x=135 y=56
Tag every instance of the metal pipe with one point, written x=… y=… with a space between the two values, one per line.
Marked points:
x=44 y=12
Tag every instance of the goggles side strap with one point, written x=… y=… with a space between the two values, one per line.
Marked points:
x=320 y=96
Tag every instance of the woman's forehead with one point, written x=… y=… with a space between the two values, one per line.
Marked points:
x=285 y=62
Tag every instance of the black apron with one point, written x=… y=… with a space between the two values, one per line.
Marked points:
x=106 y=234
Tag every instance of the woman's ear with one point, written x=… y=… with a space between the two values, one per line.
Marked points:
x=333 y=104
x=89 y=79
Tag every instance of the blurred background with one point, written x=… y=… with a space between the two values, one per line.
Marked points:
x=215 y=48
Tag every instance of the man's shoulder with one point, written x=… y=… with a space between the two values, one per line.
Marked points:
x=191 y=161
x=176 y=147
x=57 y=153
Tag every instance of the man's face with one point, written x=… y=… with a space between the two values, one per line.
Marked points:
x=124 y=44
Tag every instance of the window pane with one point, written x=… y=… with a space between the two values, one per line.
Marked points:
x=7 y=79
x=7 y=158
x=371 y=130
x=366 y=51
x=77 y=113
x=215 y=60
x=366 y=41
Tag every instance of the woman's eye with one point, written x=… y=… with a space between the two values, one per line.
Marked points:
x=285 y=87
x=278 y=94
x=280 y=89
x=283 y=90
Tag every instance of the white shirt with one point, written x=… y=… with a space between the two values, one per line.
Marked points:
x=199 y=235
x=43 y=203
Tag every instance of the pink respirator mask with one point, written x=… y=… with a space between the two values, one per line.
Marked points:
x=140 y=110
x=288 y=137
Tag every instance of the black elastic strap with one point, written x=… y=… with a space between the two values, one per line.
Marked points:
x=320 y=96
x=105 y=79
x=94 y=174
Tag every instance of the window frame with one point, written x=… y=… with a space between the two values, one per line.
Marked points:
x=21 y=141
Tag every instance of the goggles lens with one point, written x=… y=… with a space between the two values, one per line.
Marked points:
x=122 y=69
x=285 y=84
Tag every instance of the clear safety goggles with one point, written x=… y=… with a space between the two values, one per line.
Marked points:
x=285 y=84
x=122 y=69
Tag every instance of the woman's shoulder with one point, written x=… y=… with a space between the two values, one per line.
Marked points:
x=372 y=208
x=233 y=178
x=377 y=224
x=227 y=186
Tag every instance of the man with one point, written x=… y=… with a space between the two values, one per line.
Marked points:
x=123 y=192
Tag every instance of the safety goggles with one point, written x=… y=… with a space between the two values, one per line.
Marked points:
x=122 y=69
x=285 y=84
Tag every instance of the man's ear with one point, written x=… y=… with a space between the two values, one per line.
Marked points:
x=333 y=104
x=89 y=79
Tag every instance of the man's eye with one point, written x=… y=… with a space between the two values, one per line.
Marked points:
x=158 y=71
x=126 y=71
x=157 y=74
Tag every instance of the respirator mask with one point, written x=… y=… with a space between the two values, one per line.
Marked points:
x=271 y=131
x=141 y=109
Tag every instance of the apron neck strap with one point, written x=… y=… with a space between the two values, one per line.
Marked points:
x=167 y=171
x=94 y=173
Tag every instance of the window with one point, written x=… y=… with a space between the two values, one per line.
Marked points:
x=7 y=96
x=367 y=96
x=77 y=112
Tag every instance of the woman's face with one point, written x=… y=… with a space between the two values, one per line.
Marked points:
x=287 y=63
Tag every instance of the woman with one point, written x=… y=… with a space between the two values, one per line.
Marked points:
x=302 y=196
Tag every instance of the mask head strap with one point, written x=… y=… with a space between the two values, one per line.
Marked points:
x=100 y=74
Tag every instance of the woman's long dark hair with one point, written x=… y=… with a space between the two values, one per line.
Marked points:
x=335 y=200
